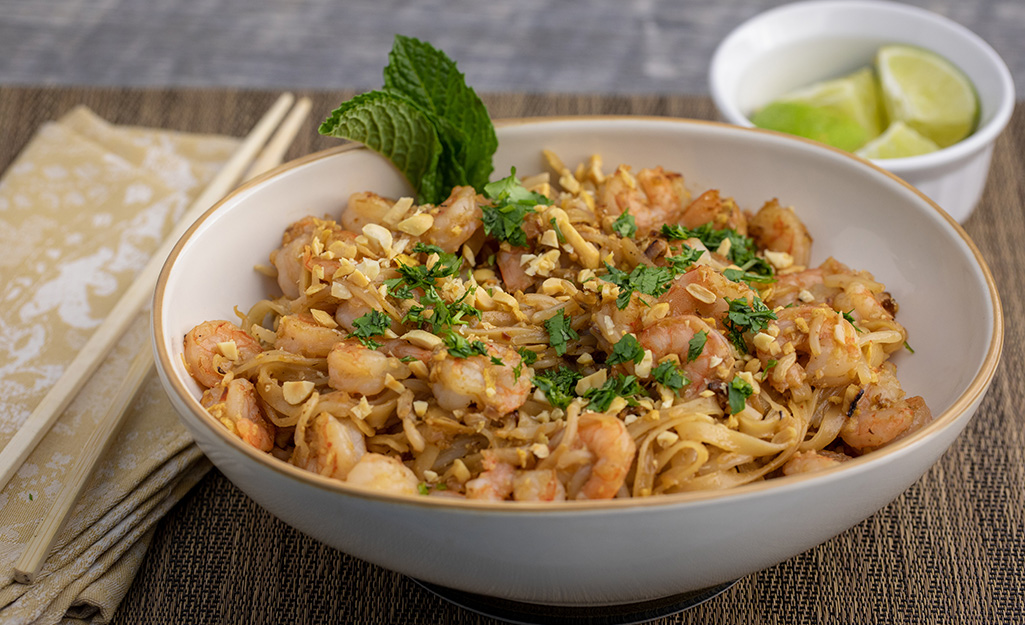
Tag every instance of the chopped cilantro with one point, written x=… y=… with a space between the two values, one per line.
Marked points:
x=374 y=323
x=907 y=346
x=739 y=275
x=560 y=333
x=850 y=319
x=737 y=393
x=653 y=281
x=772 y=362
x=558 y=230
x=510 y=203
x=625 y=225
x=460 y=347
x=696 y=345
x=670 y=376
x=527 y=357
x=743 y=317
x=628 y=349
x=742 y=249
x=423 y=489
x=407 y=359
x=625 y=386
x=442 y=314
x=558 y=385
x=682 y=261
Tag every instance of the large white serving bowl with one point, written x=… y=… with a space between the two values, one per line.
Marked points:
x=595 y=553
x=798 y=44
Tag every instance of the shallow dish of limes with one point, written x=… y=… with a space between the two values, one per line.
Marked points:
x=907 y=88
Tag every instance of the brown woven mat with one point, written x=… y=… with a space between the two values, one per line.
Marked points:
x=949 y=550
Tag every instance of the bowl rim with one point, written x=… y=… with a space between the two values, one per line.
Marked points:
x=981 y=137
x=974 y=391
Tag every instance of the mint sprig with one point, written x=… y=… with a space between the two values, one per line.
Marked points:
x=426 y=121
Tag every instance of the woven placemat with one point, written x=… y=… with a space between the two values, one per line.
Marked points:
x=951 y=549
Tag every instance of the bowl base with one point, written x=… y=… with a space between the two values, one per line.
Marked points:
x=533 y=613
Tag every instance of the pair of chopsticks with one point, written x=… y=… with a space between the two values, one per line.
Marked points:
x=259 y=152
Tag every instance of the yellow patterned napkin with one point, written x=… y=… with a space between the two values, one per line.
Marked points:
x=81 y=211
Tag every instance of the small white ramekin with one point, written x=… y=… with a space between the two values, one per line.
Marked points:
x=801 y=43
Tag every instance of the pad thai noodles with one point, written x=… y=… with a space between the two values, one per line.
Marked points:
x=576 y=334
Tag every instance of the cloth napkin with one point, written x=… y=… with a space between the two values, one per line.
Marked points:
x=81 y=210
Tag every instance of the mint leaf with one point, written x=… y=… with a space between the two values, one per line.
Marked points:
x=425 y=120
x=428 y=77
x=398 y=130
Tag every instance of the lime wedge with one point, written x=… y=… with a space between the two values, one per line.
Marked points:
x=812 y=122
x=899 y=141
x=928 y=93
x=855 y=95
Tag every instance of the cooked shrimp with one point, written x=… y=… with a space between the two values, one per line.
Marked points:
x=494 y=388
x=654 y=197
x=830 y=354
x=779 y=229
x=364 y=208
x=331 y=446
x=301 y=334
x=608 y=439
x=353 y=368
x=212 y=347
x=882 y=413
x=808 y=461
x=494 y=483
x=673 y=336
x=242 y=414
x=711 y=207
x=537 y=485
x=383 y=473
x=455 y=220
x=513 y=275
x=294 y=257
x=703 y=291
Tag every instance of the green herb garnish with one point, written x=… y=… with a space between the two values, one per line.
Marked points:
x=681 y=262
x=374 y=323
x=510 y=203
x=627 y=349
x=653 y=281
x=625 y=386
x=750 y=277
x=527 y=357
x=560 y=333
x=696 y=345
x=559 y=385
x=426 y=121
x=670 y=376
x=742 y=249
x=737 y=393
x=850 y=319
x=625 y=225
x=743 y=317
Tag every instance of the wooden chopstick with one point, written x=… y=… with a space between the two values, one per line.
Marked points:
x=38 y=548
x=274 y=153
x=107 y=334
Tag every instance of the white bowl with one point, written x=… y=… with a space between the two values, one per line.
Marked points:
x=802 y=43
x=619 y=551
